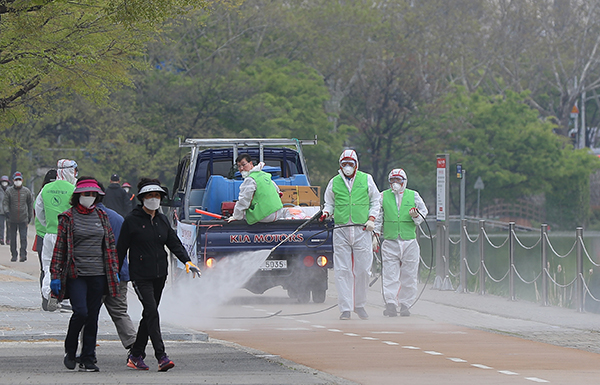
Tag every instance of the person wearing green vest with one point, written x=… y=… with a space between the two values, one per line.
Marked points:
x=52 y=201
x=40 y=230
x=259 y=199
x=353 y=199
x=402 y=210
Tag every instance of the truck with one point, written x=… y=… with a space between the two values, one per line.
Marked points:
x=207 y=182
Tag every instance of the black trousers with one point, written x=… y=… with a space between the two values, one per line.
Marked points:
x=12 y=236
x=149 y=292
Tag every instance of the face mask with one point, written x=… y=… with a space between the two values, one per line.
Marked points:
x=348 y=170
x=18 y=183
x=4 y=184
x=397 y=187
x=126 y=189
x=152 y=203
x=245 y=174
x=87 y=201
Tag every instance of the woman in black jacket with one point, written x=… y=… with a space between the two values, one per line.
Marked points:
x=144 y=234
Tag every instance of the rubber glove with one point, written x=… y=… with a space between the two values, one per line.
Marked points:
x=55 y=286
x=370 y=225
x=414 y=212
x=324 y=216
x=230 y=219
x=189 y=266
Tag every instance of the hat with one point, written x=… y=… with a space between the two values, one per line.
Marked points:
x=17 y=175
x=4 y=178
x=87 y=185
x=151 y=188
x=114 y=178
x=126 y=184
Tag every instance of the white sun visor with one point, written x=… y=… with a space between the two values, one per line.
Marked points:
x=151 y=188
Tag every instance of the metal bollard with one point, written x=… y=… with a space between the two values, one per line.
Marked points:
x=544 y=251
x=580 y=289
x=511 y=258
x=481 y=258
x=462 y=288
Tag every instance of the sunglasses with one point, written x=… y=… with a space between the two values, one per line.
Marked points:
x=89 y=194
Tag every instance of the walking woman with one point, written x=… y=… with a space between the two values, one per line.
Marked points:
x=84 y=266
x=144 y=234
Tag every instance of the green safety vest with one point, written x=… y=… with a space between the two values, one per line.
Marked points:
x=40 y=230
x=56 y=196
x=354 y=204
x=398 y=221
x=265 y=200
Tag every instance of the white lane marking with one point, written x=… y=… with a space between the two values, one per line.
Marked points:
x=303 y=321
x=453 y=332
x=480 y=366
x=231 y=330
x=433 y=353
x=257 y=309
x=292 y=329
x=288 y=317
x=390 y=343
x=384 y=332
x=318 y=326
x=411 y=347
x=508 y=372
x=453 y=359
x=266 y=355
x=535 y=379
x=370 y=338
x=335 y=330
x=351 y=335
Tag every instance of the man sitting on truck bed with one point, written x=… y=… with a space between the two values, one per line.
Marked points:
x=259 y=197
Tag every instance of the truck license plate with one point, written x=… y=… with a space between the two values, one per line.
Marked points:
x=271 y=264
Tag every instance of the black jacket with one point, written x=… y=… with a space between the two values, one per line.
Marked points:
x=145 y=239
x=116 y=198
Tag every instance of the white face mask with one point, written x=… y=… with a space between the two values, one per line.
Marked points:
x=397 y=187
x=245 y=174
x=18 y=183
x=4 y=184
x=348 y=170
x=87 y=201
x=152 y=203
x=126 y=189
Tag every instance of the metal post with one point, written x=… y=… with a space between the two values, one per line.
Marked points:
x=511 y=258
x=462 y=194
x=419 y=268
x=580 y=290
x=544 y=250
x=439 y=261
x=481 y=258
x=447 y=285
x=462 y=288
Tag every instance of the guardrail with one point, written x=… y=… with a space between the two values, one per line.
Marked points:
x=544 y=279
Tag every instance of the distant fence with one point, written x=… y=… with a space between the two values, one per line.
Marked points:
x=544 y=276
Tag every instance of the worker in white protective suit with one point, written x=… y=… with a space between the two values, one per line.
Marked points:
x=397 y=222
x=259 y=199
x=353 y=199
x=51 y=201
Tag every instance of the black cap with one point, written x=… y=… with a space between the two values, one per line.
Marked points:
x=114 y=178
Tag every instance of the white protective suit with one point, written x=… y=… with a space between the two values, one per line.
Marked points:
x=66 y=170
x=352 y=249
x=247 y=189
x=400 y=259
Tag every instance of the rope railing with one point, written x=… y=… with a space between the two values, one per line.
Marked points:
x=525 y=247
x=543 y=278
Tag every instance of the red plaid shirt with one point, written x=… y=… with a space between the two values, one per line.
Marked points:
x=62 y=265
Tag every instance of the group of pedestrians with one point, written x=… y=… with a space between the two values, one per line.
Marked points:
x=84 y=249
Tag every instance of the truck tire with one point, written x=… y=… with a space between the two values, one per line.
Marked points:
x=319 y=296
x=303 y=296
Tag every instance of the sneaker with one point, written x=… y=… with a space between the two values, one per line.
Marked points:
x=69 y=361
x=345 y=315
x=23 y=259
x=362 y=314
x=390 y=310
x=13 y=259
x=88 y=366
x=65 y=307
x=165 y=364
x=404 y=311
x=52 y=304
x=136 y=363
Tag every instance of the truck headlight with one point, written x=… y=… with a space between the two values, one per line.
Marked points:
x=322 y=260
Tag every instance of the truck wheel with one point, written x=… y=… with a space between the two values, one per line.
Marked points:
x=319 y=296
x=303 y=296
